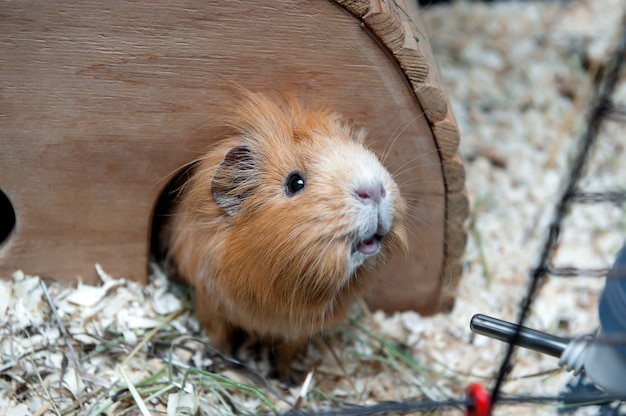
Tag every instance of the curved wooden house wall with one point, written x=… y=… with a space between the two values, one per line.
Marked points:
x=101 y=102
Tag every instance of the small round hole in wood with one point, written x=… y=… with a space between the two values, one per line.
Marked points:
x=7 y=217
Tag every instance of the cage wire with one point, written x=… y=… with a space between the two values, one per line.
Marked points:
x=602 y=109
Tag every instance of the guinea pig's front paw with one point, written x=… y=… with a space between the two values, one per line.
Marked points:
x=281 y=358
x=286 y=375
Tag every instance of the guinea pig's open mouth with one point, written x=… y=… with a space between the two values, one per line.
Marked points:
x=370 y=245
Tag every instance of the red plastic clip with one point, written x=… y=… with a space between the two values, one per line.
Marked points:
x=481 y=400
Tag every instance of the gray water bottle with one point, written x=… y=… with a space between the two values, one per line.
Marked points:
x=605 y=360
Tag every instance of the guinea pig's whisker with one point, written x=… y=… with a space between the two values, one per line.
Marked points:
x=176 y=171
x=423 y=204
x=410 y=164
x=415 y=181
x=401 y=173
x=424 y=248
x=405 y=177
x=419 y=222
x=388 y=149
x=412 y=160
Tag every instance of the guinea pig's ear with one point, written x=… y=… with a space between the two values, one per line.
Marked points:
x=234 y=179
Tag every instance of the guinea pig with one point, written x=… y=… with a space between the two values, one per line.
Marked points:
x=282 y=224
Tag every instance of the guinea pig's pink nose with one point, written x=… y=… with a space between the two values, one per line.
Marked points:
x=371 y=194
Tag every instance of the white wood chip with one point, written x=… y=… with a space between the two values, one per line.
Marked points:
x=89 y=296
x=182 y=403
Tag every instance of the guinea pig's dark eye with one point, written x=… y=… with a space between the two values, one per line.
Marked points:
x=295 y=183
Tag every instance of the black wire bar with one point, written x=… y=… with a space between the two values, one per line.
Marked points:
x=600 y=109
x=403 y=407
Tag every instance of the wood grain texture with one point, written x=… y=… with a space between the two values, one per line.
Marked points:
x=454 y=174
x=356 y=7
x=448 y=137
x=452 y=273
x=101 y=103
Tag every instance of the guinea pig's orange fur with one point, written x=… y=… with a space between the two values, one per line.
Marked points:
x=274 y=266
